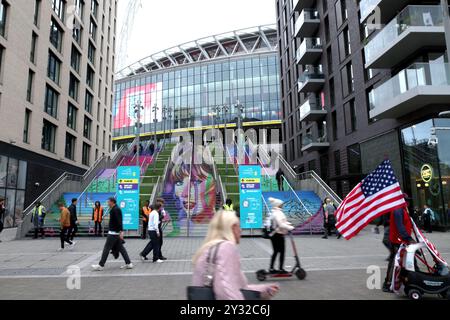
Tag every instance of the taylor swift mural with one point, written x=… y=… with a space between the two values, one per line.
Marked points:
x=190 y=192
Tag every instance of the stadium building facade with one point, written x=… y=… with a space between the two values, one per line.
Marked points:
x=202 y=84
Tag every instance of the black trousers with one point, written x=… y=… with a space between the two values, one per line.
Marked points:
x=144 y=229
x=154 y=245
x=98 y=228
x=390 y=269
x=279 y=247
x=73 y=231
x=114 y=242
x=161 y=241
x=64 y=236
x=37 y=231
x=280 y=185
x=427 y=225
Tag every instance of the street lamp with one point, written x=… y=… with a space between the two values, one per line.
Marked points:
x=137 y=112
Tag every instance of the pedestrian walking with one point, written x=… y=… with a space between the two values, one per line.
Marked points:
x=329 y=219
x=2 y=214
x=220 y=253
x=38 y=219
x=428 y=218
x=73 y=219
x=145 y=214
x=281 y=228
x=280 y=177
x=162 y=216
x=65 y=226
x=154 y=234
x=400 y=230
x=114 y=241
x=97 y=217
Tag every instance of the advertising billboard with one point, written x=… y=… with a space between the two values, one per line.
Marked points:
x=250 y=197
x=128 y=196
x=148 y=95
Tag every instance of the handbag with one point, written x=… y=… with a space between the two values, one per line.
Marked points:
x=206 y=293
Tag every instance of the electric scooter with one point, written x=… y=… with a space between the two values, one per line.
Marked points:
x=297 y=271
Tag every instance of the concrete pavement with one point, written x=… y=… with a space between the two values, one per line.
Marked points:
x=337 y=269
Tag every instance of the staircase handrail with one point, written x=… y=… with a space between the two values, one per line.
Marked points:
x=155 y=190
x=330 y=192
x=296 y=195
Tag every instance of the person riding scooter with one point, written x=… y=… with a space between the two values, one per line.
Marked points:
x=281 y=228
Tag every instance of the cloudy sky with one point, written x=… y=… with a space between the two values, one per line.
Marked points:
x=161 y=24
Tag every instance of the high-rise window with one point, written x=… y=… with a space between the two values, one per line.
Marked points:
x=87 y=128
x=48 y=136
x=94 y=8
x=56 y=35
x=34 y=39
x=51 y=101
x=70 y=146
x=334 y=123
x=76 y=34
x=75 y=59
x=37 y=11
x=341 y=12
x=59 y=7
x=3 y=17
x=86 y=154
x=93 y=30
x=26 y=126
x=79 y=8
x=91 y=53
x=72 y=112
x=88 y=102
x=90 y=77
x=348 y=82
x=74 y=85
x=30 y=86
x=54 y=67
x=344 y=44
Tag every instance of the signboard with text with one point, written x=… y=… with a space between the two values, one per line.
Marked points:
x=250 y=197
x=128 y=196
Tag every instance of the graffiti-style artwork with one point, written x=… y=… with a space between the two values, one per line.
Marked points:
x=148 y=95
x=190 y=192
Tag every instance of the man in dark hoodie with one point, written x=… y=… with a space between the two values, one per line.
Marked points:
x=73 y=219
x=114 y=241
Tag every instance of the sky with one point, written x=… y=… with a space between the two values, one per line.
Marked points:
x=161 y=24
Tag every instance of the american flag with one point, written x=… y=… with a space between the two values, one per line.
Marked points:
x=378 y=194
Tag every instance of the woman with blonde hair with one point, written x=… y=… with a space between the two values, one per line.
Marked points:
x=228 y=280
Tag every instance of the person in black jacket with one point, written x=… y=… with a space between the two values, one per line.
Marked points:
x=73 y=219
x=279 y=176
x=2 y=213
x=114 y=241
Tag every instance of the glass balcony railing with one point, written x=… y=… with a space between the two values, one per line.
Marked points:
x=311 y=73
x=310 y=139
x=308 y=44
x=366 y=7
x=411 y=16
x=306 y=14
x=311 y=104
x=418 y=74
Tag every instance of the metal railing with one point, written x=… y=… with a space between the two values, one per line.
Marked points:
x=311 y=175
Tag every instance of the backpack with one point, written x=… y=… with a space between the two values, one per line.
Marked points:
x=430 y=212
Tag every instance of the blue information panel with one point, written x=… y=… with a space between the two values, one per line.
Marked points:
x=250 y=197
x=128 y=196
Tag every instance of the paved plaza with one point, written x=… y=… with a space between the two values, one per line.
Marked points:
x=337 y=269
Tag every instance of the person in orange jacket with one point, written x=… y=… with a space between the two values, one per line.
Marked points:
x=65 y=226
x=97 y=217
x=145 y=214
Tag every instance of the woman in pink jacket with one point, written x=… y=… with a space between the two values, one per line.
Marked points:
x=228 y=278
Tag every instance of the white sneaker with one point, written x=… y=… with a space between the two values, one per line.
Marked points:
x=60 y=250
x=158 y=261
x=97 y=267
x=73 y=244
x=127 y=266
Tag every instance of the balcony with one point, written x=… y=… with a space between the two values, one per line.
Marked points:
x=307 y=23
x=311 y=144
x=309 y=51
x=312 y=110
x=388 y=9
x=418 y=86
x=415 y=27
x=299 y=5
x=312 y=79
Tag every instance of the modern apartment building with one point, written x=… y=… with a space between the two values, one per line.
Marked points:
x=56 y=92
x=363 y=81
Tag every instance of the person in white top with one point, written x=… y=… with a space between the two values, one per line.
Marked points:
x=281 y=227
x=154 y=233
